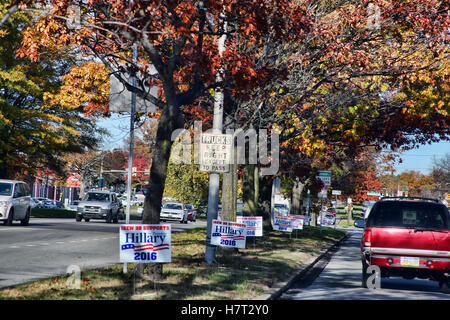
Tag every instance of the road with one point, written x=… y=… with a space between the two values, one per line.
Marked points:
x=47 y=247
x=340 y=279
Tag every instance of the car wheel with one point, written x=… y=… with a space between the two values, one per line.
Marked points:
x=86 y=219
x=9 y=221
x=109 y=217
x=78 y=218
x=445 y=285
x=26 y=220
x=116 y=218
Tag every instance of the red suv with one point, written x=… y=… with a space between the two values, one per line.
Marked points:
x=408 y=237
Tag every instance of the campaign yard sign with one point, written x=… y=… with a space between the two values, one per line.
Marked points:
x=228 y=234
x=297 y=222
x=254 y=225
x=143 y=243
x=282 y=223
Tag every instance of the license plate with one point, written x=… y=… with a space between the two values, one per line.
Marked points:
x=409 y=261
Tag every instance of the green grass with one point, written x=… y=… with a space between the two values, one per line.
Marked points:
x=239 y=274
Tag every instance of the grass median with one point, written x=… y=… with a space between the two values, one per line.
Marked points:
x=239 y=274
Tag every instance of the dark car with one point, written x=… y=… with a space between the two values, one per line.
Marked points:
x=409 y=238
x=192 y=213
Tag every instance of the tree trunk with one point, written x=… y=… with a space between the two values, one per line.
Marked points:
x=250 y=190
x=265 y=200
x=168 y=122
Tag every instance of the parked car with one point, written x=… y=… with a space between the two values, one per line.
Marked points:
x=99 y=205
x=134 y=201
x=174 y=211
x=51 y=204
x=408 y=237
x=37 y=202
x=72 y=206
x=192 y=213
x=15 y=202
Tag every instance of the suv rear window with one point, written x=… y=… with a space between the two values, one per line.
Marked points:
x=408 y=214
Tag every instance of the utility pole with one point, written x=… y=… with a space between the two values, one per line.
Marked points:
x=130 y=155
x=214 y=178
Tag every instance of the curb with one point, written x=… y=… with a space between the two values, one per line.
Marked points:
x=279 y=288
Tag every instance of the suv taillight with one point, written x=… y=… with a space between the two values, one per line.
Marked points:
x=367 y=238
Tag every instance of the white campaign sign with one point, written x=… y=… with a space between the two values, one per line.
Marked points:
x=254 y=225
x=228 y=234
x=297 y=222
x=282 y=223
x=143 y=243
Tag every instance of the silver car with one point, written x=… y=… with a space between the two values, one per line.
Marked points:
x=15 y=202
x=99 y=205
x=174 y=211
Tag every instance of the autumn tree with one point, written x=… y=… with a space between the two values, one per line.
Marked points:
x=34 y=134
x=363 y=74
x=441 y=173
x=179 y=39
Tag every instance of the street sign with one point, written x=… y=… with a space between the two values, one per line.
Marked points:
x=143 y=243
x=215 y=152
x=325 y=176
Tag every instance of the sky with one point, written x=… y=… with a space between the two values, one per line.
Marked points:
x=420 y=159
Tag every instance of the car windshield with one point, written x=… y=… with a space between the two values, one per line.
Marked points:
x=175 y=206
x=5 y=189
x=408 y=215
x=96 y=196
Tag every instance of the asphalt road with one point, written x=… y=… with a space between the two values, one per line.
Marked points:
x=339 y=278
x=48 y=247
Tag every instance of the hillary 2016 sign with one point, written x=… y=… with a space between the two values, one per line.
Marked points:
x=282 y=223
x=297 y=222
x=228 y=234
x=254 y=225
x=145 y=243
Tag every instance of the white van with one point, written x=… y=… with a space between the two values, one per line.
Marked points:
x=15 y=202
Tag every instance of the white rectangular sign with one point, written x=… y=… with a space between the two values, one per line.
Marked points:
x=254 y=225
x=297 y=222
x=143 y=243
x=228 y=234
x=215 y=152
x=282 y=223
